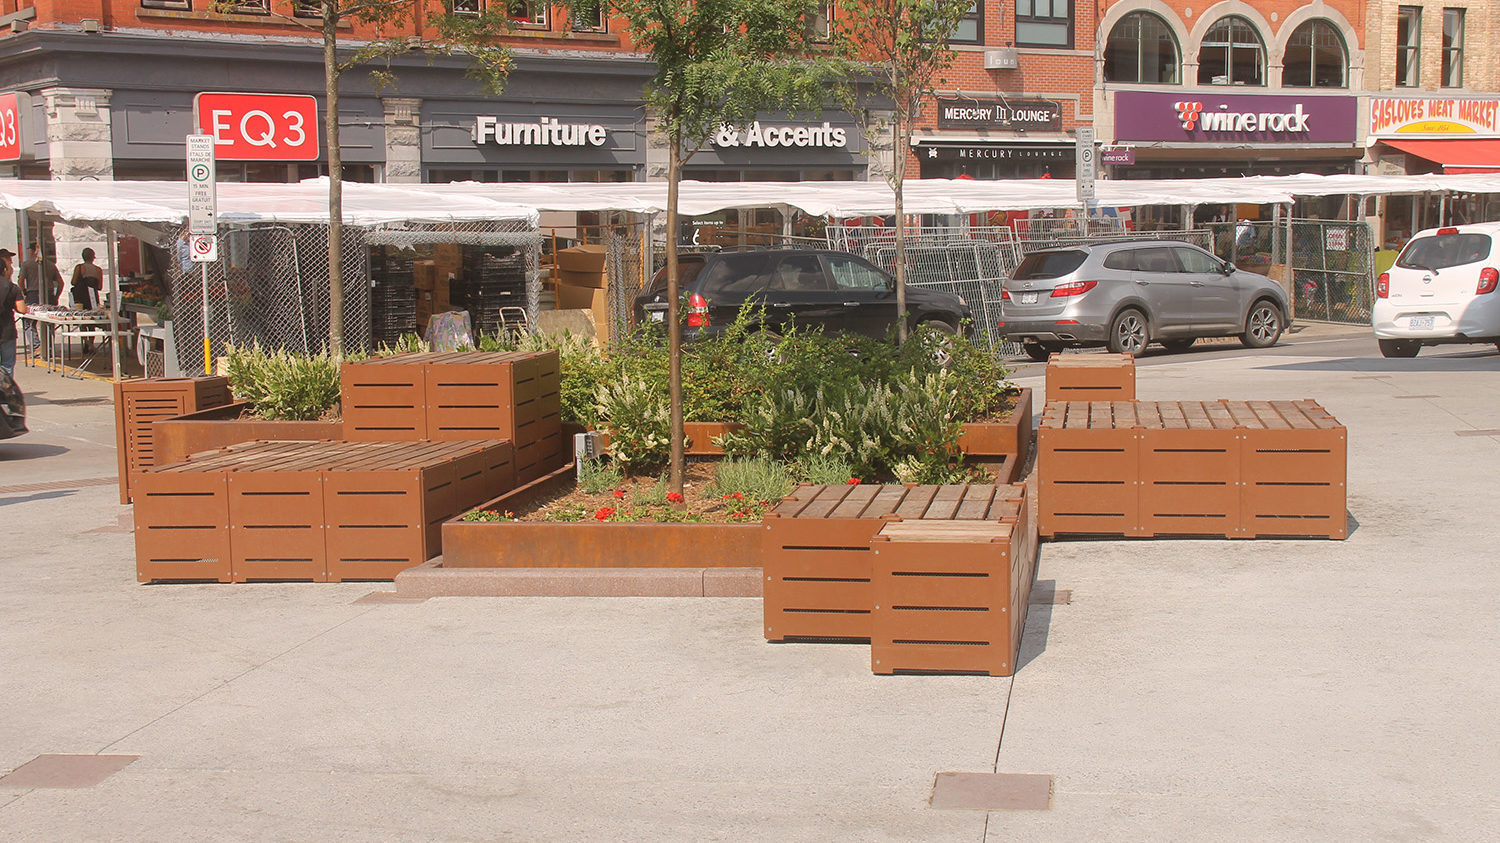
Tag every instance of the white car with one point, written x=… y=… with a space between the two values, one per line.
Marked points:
x=1440 y=290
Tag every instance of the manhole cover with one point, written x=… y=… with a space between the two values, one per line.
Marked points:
x=992 y=792
x=66 y=770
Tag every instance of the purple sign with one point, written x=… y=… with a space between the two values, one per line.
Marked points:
x=1254 y=118
x=1118 y=155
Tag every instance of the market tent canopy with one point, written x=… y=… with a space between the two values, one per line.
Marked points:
x=165 y=202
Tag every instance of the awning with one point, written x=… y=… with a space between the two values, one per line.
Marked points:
x=1457 y=155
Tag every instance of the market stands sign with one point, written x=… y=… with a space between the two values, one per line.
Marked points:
x=1247 y=118
x=1391 y=117
x=1005 y=115
x=259 y=127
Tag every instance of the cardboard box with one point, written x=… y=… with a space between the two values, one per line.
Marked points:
x=577 y=278
x=587 y=298
x=423 y=274
x=449 y=253
x=585 y=259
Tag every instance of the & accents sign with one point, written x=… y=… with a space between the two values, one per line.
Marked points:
x=826 y=136
x=1246 y=118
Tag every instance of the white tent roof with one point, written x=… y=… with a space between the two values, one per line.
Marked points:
x=376 y=204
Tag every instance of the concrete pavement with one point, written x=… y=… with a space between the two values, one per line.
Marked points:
x=1200 y=689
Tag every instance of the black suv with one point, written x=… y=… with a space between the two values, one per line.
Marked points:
x=815 y=288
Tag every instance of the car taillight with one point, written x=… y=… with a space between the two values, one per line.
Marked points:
x=1489 y=278
x=1073 y=288
x=697 y=311
x=1443 y=231
x=1004 y=294
x=1383 y=286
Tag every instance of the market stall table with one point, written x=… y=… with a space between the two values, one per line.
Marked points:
x=56 y=325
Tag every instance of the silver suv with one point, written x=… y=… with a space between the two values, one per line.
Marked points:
x=1125 y=295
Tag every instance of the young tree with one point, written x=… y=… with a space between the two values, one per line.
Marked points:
x=718 y=63
x=905 y=45
x=393 y=21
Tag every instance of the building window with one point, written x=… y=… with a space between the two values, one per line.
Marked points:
x=589 y=17
x=1315 y=57
x=307 y=9
x=529 y=13
x=1232 y=54
x=248 y=7
x=1409 y=47
x=185 y=5
x=970 y=30
x=1453 y=48
x=465 y=7
x=820 y=22
x=1044 y=23
x=1141 y=48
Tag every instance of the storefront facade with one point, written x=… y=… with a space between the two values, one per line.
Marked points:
x=1419 y=135
x=996 y=138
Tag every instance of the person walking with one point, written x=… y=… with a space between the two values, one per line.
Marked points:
x=12 y=301
x=41 y=283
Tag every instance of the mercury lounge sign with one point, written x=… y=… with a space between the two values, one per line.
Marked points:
x=825 y=136
x=546 y=131
x=1012 y=115
x=1247 y=118
x=1442 y=117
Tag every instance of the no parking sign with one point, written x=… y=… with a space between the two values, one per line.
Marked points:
x=204 y=248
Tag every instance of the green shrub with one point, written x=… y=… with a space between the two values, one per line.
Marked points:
x=779 y=425
x=754 y=480
x=635 y=411
x=596 y=476
x=827 y=471
x=281 y=385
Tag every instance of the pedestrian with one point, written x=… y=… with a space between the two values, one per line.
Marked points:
x=87 y=281
x=39 y=277
x=12 y=301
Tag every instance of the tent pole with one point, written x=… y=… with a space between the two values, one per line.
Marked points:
x=112 y=245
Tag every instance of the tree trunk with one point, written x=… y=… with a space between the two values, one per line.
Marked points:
x=335 y=181
x=674 y=326
x=898 y=178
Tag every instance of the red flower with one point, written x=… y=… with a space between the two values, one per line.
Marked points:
x=604 y=513
x=619 y=494
x=853 y=481
x=739 y=496
x=674 y=497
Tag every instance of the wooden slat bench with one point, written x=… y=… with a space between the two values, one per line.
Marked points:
x=1091 y=377
x=1238 y=469
x=321 y=511
x=817 y=555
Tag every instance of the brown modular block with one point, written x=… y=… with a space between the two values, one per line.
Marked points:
x=1091 y=377
x=376 y=524
x=384 y=399
x=1009 y=436
x=950 y=596
x=179 y=437
x=140 y=403
x=1240 y=469
x=182 y=526
x=276 y=525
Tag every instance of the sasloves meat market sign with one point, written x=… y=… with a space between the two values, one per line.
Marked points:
x=1241 y=118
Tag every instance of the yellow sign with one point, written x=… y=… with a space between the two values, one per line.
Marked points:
x=1390 y=117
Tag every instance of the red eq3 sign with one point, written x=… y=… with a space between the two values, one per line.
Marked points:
x=259 y=127
x=12 y=140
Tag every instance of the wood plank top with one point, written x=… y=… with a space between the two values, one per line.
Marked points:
x=279 y=456
x=1091 y=361
x=1305 y=414
x=945 y=531
x=973 y=504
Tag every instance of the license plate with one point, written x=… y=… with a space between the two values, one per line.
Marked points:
x=1026 y=298
x=657 y=315
x=1420 y=323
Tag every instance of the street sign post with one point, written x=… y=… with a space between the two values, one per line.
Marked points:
x=1086 y=166
x=203 y=222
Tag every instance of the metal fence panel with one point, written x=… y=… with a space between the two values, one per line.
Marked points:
x=1332 y=270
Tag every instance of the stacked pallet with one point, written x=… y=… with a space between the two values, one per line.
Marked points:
x=321 y=511
x=493 y=281
x=825 y=579
x=460 y=396
x=1091 y=377
x=140 y=403
x=1236 y=469
x=393 y=295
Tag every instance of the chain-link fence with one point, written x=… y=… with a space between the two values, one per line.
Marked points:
x=1327 y=266
x=270 y=284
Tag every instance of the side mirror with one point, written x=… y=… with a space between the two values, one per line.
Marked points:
x=1228 y=268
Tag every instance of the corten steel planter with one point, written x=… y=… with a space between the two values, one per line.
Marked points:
x=513 y=544
x=817 y=550
x=1236 y=469
x=140 y=403
x=1091 y=377
x=951 y=596
x=700 y=437
x=1011 y=435
x=323 y=511
x=179 y=437
x=460 y=396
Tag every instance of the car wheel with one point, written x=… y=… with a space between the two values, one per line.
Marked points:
x=1177 y=346
x=1399 y=348
x=1129 y=333
x=1038 y=352
x=939 y=341
x=1262 y=325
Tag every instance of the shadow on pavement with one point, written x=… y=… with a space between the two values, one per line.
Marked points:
x=14 y=451
x=1471 y=362
x=1038 y=622
x=38 y=496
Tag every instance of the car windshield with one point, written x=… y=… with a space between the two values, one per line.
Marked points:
x=1042 y=265
x=1444 y=250
x=687 y=270
x=741 y=273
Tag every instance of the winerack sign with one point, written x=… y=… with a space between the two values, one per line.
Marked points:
x=1245 y=118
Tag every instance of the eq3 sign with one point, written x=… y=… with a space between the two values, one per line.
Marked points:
x=259 y=127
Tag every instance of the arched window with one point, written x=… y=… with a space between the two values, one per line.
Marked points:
x=1141 y=49
x=1315 y=57
x=1232 y=54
